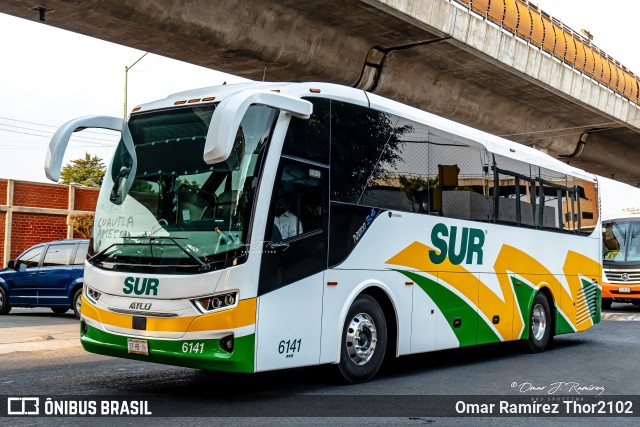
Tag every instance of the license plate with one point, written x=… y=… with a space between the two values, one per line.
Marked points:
x=138 y=346
x=624 y=290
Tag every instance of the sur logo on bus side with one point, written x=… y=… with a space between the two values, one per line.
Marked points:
x=445 y=238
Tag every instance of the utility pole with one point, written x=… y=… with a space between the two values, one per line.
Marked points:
x=126 y=74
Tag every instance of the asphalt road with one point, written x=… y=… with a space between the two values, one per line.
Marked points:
x=602 y=358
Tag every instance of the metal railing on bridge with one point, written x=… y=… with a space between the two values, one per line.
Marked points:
x=527 y=22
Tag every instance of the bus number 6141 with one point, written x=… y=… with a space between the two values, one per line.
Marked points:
x=289 y=347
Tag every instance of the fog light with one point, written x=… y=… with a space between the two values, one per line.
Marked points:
x=226 y=343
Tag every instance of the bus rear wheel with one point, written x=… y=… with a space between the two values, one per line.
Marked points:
x=540 y=323
x=364 y=340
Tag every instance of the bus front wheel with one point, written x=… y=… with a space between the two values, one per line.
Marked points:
x=606 y=303
x=364 y=340
x=539 y=324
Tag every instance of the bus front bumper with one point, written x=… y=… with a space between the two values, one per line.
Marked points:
x=201 y=354
x=222 y=341
x=621 y=292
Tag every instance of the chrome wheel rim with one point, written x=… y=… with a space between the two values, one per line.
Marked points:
x=538 y=322
x=1 y=299
x=361 y=338
x=78 y=304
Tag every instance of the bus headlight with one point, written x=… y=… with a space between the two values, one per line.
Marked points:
x=216 y=302
x=93 y=295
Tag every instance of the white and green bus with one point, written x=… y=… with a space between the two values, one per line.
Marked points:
x=263 y=226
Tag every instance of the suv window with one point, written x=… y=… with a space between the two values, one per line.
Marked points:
x=32 y=257
x=81 y=254
x=58 y=255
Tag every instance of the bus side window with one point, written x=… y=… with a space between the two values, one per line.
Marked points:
x=516 y=202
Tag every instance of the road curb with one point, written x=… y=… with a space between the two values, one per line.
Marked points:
x=39 y=338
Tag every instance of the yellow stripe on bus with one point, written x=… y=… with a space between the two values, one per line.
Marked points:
x=510 y=260
x=243 y=315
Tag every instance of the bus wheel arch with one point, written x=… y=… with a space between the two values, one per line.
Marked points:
x=391 y=318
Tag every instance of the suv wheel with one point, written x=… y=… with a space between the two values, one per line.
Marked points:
x=77 y=303
x=4 y=302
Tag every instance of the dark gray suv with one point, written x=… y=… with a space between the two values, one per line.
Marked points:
x=45 y=275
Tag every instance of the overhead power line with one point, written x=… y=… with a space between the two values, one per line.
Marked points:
x=50 y=126
x=48 y=135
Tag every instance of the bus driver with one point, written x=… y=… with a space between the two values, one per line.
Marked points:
x=287 y=223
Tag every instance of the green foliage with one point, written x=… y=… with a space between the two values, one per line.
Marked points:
x=373 y=147
x=88 y=171
x=82 y=223
x=410 y=184
x=142 y=186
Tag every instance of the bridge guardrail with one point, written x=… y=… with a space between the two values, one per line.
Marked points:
x=527 y=22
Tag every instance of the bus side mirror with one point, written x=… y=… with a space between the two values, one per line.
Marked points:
x=60 y=140
x=229 y=113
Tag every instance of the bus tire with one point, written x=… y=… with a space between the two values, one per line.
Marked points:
x=364 y=340
x=540 y=323
x=606 y=303
x=4 y=302
x=76 y=303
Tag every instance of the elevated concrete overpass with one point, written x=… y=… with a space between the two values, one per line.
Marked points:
x=502 y=66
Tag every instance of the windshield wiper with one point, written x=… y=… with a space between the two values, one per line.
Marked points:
x=203 y=265
x=101 y=253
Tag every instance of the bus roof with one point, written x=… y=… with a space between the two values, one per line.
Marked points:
x=456 y=131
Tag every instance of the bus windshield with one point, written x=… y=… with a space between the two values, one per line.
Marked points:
x=179 y=211
x=621 y=241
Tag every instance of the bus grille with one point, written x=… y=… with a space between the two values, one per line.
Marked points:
x=588 y=294
x=622 y=276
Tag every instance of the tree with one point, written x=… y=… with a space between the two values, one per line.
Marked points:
x=82 y=223
x=87 y=171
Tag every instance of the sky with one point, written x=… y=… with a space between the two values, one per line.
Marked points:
x=49 y=76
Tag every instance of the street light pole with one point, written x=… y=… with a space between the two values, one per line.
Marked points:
x=126 y=74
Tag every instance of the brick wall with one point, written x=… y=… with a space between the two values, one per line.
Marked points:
x=2 y=225
x=30 y=229
x=30 y=194
x=86 y=199
x=3 y=191
x=38 y=214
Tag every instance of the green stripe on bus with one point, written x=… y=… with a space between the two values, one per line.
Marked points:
x=562 y=324
x=524 y=296
x=170 y=352
x=443 y=298
x=593 y=299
